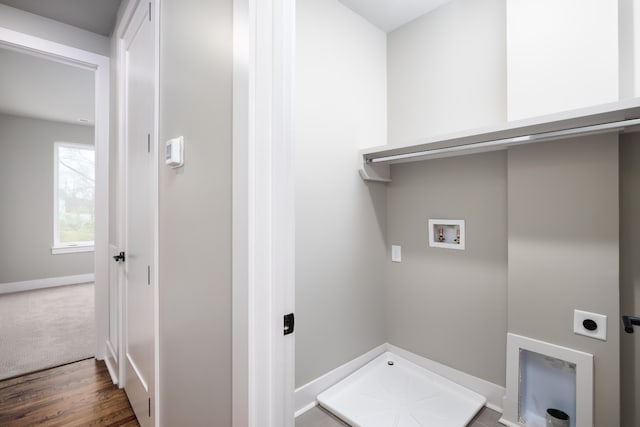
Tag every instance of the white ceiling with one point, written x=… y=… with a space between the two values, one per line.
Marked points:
x=388 y=15
x=33 y=86
x=97 y=16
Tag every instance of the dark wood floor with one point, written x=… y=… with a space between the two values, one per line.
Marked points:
x=78 y=394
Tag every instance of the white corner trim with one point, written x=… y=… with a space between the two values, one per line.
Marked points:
x=51 y=282
x=306 y=394
x=493 y=392
x=57 y=250
x=53 y=50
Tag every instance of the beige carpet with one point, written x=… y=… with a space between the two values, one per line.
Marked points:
x=45 y=328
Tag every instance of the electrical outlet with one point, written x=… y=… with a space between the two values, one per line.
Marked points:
x=396 y=253
x=590 y=324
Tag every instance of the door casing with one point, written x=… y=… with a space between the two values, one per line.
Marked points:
x=263 y=232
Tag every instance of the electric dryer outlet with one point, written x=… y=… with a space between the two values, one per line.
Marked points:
x=591 y=325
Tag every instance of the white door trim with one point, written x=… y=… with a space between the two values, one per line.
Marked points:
x=100 y=65
x=130 y=7
x=263 y=212
x=155 y=200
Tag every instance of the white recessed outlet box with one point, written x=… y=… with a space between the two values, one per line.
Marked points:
x=174 y=152
x=446 y=233
x=396 y=253
x=591 y=325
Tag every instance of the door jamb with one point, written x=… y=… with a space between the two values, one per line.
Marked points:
x=100 y=65
x=263 y=213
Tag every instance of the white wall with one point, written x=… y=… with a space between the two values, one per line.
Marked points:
x=340 y=250
x=446 y=71
x=38 y=26
x=629 y=39
x=561 y=55
x=26 y=209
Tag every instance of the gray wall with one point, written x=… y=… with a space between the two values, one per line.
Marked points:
x=563 y=251
x=38 y=26
x=195 y=214
x=447 y=70
x=26 y=210
x=630 y=275
x=340 y=250
x=443 y=304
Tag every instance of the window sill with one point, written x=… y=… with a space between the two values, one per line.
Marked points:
x=58 y=250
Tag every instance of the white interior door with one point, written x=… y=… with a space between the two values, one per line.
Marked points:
x=139 y=61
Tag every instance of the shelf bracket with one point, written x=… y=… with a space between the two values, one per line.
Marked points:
x=375 y=172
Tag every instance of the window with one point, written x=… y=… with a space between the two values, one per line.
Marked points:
x=74 y=197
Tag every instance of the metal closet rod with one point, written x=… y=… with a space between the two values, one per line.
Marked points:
x=517 y=140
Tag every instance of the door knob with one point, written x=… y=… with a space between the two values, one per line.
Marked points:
x=629 y=321
x=119 y=257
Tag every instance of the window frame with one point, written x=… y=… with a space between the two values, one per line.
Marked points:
x=70 y=247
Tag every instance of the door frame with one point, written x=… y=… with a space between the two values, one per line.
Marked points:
x=99 y=64
x=128 y=10
x=263 y=232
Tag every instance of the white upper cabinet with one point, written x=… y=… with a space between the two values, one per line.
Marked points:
x=561 y=55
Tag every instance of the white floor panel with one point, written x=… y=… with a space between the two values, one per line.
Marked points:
x=401 y=394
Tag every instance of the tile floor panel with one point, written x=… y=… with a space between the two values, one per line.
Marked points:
x=486 y=418
x=319 y=417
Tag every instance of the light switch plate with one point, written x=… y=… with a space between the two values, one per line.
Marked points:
x=396 y=253
x=599 y=333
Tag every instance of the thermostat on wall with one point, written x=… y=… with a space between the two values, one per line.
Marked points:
x=173 y=155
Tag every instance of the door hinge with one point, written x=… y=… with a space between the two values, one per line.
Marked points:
x=148 y=143
x=148 y=274
x=149 y=11
x=149 y=407
x=289 y=323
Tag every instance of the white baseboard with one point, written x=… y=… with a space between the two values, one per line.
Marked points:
x=108 y=361
x=112 y=362
x=51 y=282
x=305 y=395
